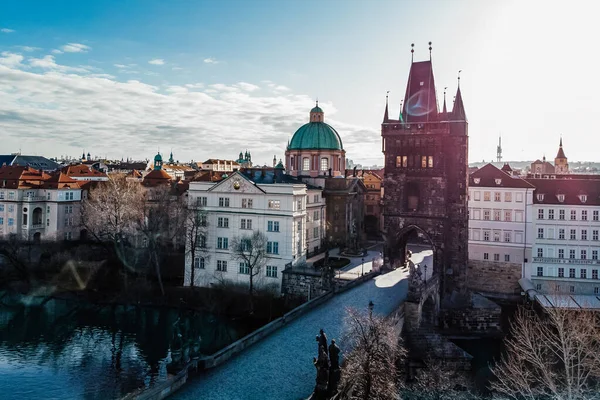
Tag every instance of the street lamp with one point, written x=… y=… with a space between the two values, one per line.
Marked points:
x=425 y=268
x=362 y=266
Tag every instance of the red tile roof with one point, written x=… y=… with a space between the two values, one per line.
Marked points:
x=82 y=170
x=156 y=177
x=570 y=188
x=488 y=174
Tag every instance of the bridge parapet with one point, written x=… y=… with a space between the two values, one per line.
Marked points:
x=422 y=302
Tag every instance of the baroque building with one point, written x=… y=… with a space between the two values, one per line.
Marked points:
x=426 y=176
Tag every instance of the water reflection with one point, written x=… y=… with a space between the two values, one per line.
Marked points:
x=59 y=349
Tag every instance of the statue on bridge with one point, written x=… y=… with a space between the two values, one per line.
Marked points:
x=322 y=366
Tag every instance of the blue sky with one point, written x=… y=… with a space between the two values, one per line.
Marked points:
x=210 y=78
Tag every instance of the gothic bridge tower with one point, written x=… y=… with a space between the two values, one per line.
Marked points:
x=426 y=176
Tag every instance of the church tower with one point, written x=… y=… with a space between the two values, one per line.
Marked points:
x=426 y=177
x=561 y=164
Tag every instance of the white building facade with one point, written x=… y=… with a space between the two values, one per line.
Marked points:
x=236 y=207
x=566 y=227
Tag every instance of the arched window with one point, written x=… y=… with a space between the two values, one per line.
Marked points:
x=305 y=164
x=324 y=164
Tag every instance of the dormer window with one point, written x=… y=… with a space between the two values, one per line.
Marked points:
x=560 y=197
x=540 y=197
x=583 y=198
x=476 y=181
x=498 y=181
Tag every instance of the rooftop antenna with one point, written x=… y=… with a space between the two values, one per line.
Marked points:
x=429 y=51
x=412 y=52
x=459 y=71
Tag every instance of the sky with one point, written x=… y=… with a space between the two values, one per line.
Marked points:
x=208 y=79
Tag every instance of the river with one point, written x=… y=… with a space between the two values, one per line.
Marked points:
x=66 y=349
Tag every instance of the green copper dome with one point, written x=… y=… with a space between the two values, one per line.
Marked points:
x=158 y=157
x=316 y=110
x=316 y=135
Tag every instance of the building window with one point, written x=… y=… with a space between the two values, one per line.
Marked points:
x=274 y=204
x=48 y=222
x=561 y=253
x=540 y=197
x=430 y=161
x=11 y=195
x=305 y=164
x=583 y=254
x=583 y=198
x=223 y=201
x=246 y=223
x=496 y=236
x=594 y=254
x=583 y=273
x=507 y=258
x=398 y=161
x=299 y=205
x=68 y=235
x=508 y=196
x=496 y=257
x=486 y=256
x=561 y=272
x=507 y=236
x=244 y=268
x=496 y=215
x=561 y=234
x=540 y=271
x=477 y=195
x=573 y=215
x=324 y=164
x=571 y=272
x=595 y=215
x=573 y=234
x=271 y=271
x=222 y=243
x=584 y=215
x=223 y=222
x=572 y=254
x=199 y=262
x=201 y=201
x=1 y=220
x=497 y=196
x=246 y=203
x=561 y=214
x=486 y=215
x=315 y=215
x=541 y=214
x=423 y=161
x=508 y=216
x=486 y=236
x=557 y=288
x=594 y=274
x=540 y=252
x=11 y=208
x=538 y=286
x=540 y=233
x=584 y=234
x=222 y=265
x=596 y=290
x=572 y=289
x=550 y=214
x=273 y=226
x=519 y=198
x=486 y=196
x=272 y=247
x=595 y=234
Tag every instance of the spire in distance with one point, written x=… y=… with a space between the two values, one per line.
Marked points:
x=385 y=114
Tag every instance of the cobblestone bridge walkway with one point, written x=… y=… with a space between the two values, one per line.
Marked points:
x=280 y=366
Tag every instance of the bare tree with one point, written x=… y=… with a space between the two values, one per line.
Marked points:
x=551 y=355
x=369 y=370
x=440 y=381
x=195 y=234
x=109 y=213
x=161 y=222
x=252 y=251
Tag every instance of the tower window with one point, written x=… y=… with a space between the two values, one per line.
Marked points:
x=324 y=164
x=305 y=164
x=430 y=161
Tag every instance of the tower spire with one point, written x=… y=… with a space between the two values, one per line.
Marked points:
x=385 y=114
x=499 y=149
x=458 y=111
x=429 y=51
x=412 y=52
x=444 y=109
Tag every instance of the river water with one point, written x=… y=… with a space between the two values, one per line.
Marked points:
x=65 y=349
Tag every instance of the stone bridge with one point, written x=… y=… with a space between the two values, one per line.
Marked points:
x=422 y=304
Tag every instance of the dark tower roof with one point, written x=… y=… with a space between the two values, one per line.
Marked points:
x=458 y=111
x=420 y=101
x=385 y=113
x=561 y=153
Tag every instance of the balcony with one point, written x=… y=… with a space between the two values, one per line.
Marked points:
x=545 y=260
x=34 y=198
x=34 y=226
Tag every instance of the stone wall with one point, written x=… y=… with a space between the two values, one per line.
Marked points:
x=305 y=284
x=493 y=277
x=482 y=317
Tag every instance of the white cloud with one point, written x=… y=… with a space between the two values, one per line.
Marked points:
x=157 y=61
x=56 y=51
x=177 y=69
x=6 y=30
x=277 y=88
x=28 y=48
x=75 y=48
x=70 y=111
x=48 y=62
x=11 y=60
x=211 y=60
